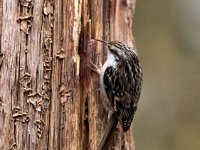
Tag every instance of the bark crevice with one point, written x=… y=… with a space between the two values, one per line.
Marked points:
x=49 y=98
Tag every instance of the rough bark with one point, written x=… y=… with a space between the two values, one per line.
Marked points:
x=49 y=98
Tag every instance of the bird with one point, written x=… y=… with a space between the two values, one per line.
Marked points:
x=120 y=84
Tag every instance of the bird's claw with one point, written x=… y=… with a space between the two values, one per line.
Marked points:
x=94 y=67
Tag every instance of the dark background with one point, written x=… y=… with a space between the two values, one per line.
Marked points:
x=167 y=34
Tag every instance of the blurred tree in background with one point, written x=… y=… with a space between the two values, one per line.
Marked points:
x=167 y=35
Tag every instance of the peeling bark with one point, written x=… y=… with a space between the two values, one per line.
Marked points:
x=49 y=98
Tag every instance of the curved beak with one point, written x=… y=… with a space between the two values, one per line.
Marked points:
x=105 y=42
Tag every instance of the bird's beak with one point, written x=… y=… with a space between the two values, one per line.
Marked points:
x=105 y=42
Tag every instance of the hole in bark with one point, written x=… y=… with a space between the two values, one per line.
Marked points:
x=86 y=124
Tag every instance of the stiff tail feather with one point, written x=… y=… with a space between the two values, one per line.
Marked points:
x=110 y=129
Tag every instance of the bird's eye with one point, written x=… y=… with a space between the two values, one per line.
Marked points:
x=112 y=50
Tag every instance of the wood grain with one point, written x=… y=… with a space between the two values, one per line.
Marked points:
x=49 y=98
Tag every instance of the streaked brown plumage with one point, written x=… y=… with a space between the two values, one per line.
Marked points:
x=121 y=80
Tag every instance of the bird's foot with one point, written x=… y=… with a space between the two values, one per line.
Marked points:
x=94 y=67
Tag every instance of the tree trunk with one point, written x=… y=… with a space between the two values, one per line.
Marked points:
x=49 y=98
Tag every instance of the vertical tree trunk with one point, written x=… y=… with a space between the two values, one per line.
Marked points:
x=49 y=98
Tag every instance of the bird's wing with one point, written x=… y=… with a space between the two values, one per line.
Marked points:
x=120 y=85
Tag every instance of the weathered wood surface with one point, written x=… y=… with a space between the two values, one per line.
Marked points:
x=49 y=98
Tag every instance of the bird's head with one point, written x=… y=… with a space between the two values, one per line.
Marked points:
x=117 y=48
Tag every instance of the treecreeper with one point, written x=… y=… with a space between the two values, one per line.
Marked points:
x=120 y=81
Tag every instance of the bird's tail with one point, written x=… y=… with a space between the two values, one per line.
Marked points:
x=110 y=129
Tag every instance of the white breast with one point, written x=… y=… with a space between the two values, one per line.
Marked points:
x=110 y=61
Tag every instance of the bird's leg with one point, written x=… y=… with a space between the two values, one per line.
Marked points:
x=94 y=67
